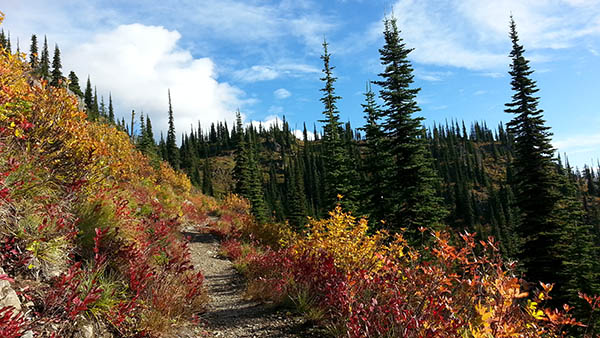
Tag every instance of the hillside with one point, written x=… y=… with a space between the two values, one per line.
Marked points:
x=89 y=227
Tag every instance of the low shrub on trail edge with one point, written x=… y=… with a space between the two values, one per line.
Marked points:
x=89 y=229
x=376 y=285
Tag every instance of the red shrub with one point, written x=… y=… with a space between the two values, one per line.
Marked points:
x=12 y=325
x=232 y=249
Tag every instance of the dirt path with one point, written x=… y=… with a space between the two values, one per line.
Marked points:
x=229 y=315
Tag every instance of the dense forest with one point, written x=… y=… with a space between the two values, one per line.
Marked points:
x=454 y=177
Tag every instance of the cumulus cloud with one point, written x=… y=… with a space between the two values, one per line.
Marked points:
x=139 y=63
x=282 y=93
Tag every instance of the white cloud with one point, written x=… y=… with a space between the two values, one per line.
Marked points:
x=139 y=63
x=473 y=34
x=578 y=143
x=431 y=76
x=282 y=93
x=258 y=73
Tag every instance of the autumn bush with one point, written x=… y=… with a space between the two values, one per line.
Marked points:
x=89 y=226
x=359 y=284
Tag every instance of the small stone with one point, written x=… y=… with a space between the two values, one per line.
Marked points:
x=8 y=296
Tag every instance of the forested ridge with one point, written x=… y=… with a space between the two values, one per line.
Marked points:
x=386 y=230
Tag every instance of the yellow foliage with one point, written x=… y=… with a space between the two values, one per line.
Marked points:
x=345 y=238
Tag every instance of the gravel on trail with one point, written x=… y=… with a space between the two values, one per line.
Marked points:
x=229 y=314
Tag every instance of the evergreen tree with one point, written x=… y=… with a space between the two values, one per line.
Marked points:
x=171 y=143
x=111 y=111
x=8 y=46
x=377 y=165
x=74 y=84
x=534 y=179
x=44 y=69
x=57 y=77
x=296 y=199
x=162 y=148
x=95 y=105
x=338 y=178
x=2 y=39
x=33 y=54
x=102 y=109
x=414 y=197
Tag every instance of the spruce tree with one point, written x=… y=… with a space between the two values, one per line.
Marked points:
x=111 y=111
x=8 y=46
x=102 y=109
x=377 y=164
x=339 y=179
x=296 y=199
x=57 y=77
x=88 y=99
x=34 y=60
x=413 y=179
x=2 y=39
x=95 y=103
x=172 y=151
x=74 y=84
x=44 y=69
x=534 y=180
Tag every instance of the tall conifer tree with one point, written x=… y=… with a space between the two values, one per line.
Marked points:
x=338 y=175
x=377 y=164
x=34 y=60
x=57 y=77
x=413 y=180
x=111 y=111
x=171 y=143
x=44 y=70
x=534 y=179
x=2 y=39
x=74 y=84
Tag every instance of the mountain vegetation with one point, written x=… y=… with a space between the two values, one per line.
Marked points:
x=392 y=229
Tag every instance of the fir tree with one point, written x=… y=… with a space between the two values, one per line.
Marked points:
x=8 y=46
x=247 y=172
x=377 y=165
x=111 y=111
x=95 y=103
x=338 y=178
x=33 y=54
x=534 y=179
x=57 y=77
x=44 y=69
x=2 y=39
x=74 y=84
x=414 y=180
x=102 y=109
x=296 y=199
x=172 y=151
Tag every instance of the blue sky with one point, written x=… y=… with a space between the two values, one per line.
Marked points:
x=263 y=57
